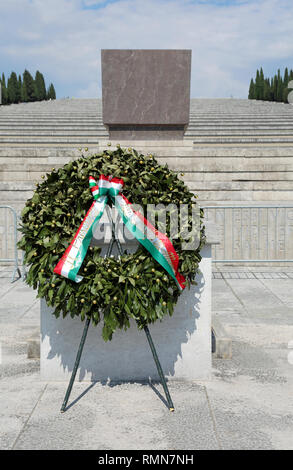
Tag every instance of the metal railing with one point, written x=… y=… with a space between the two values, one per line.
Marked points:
x=262 y=233
x=8 y=238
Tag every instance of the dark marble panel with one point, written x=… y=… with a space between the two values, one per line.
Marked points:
x=146 y=132
x=146 y=87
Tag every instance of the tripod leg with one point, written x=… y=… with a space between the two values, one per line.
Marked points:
x=160 y=371
x=76 y=364
x=146 y=329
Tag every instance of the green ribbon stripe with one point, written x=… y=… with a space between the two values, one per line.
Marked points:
x=146 y=243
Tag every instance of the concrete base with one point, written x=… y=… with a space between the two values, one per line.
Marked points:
x=183 y=342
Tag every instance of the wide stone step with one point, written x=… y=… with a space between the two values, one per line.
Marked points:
x=241 y=185
x=235 y=166
x=239 y=117
x=50 y=125
x=29 y=172
x=178 y=152
x=82 y=140
x=234 y=176
x=239 y=133
x=48 y=120
x=16 y=197
x=193 y=185
x=235 y=126
x=180 y=164
x=195 y=170
x=34 y=173
x=61 y=133
x=195 y=130
x=15 y=180
x=45 y=130
x=44 y=112
x=239 y=140
x=249 y=197
x=238 y=114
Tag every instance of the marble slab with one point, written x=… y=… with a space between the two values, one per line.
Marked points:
x=146 y=93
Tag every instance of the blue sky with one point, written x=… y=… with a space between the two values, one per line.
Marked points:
x=229 y=39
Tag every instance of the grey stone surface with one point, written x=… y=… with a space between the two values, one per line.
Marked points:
x=146 y=93
x=213 y=123
x=222 y=156
x=38 y=136
x=246 y=405
x=146 y=132
x=253 y=233
x=33 y=348
x=179 y=340
x=222 y=341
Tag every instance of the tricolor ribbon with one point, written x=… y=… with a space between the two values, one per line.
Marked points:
x=158 y=244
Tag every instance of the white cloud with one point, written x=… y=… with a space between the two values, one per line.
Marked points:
x=228 y=43
x=90 y=3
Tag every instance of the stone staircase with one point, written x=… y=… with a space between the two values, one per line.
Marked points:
x=240 y=122
x=238 y=151
x=213 y=122
x=52 y=123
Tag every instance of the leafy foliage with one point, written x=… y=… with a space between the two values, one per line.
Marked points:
x=40 y=85
x=25 y=89
x=112 y=291
x=270 y=89
x=51 y=93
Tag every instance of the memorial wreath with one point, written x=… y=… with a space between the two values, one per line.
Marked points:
x=57 y=224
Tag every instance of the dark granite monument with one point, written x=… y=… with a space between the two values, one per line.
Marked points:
x=146 y=93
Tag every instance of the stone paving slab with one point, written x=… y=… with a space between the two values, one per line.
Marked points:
x=246 y=405
x=125 y=416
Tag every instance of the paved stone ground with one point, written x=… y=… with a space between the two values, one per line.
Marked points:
x=247 y=404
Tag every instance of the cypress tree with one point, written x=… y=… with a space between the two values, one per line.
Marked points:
x=275 y=88
x=19 y=87
x=51 y=94
x=40 y=86
x=279 y=87
x=30 y=86
x=251 y=90
x=25 y=88
x=286 y=76
x=24 y=97
x=261 y=84
x=272 y=90
x=267 y=94
x=269 y=89
x=7 y=92
x=4 y=89
x=279 y=91
x=285 y=86
x=12 y=88
x=257 y=85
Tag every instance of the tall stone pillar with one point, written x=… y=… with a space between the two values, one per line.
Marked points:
x=146 y=93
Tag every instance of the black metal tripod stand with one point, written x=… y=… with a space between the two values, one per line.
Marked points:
x=114 y=240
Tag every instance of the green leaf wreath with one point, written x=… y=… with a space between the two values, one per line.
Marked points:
x=112 y=290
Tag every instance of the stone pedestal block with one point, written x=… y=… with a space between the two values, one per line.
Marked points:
x=183 y=342
x=146 y=93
